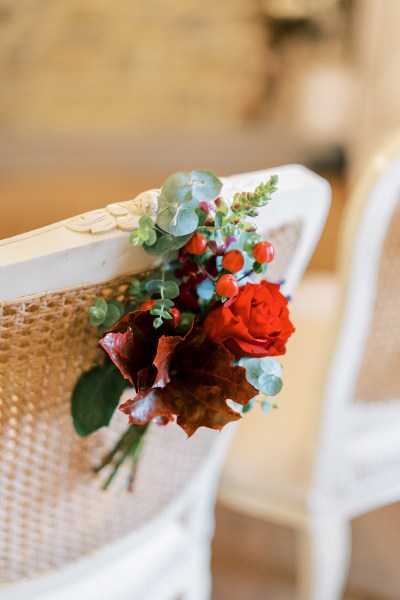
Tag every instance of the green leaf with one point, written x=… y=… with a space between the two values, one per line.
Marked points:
x=97 y=312
x=206 y=185
x=189 y=188
x=270 y=384
x=151 y=238
x=247 y=407
x=218 y=219
x=163 y=302
x=135 y=238
x=113 y=315
x=201 y=216
x=155 y=286
x=253 y=370
x=166 y=243
x=146 y=222
x=171 y=289
x=257 y=267
x=177 y=189
x=271 y=365
x=185 y=322
x=95 y=397
x=266 y=406
x=177 y=221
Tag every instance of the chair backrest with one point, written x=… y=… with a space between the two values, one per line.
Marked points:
x=363 y=386
x=52 y=510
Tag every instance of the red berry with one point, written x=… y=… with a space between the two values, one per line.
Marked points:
x=197 y=244
x=227 y=286
x=233 y=261
x=176 y=316
x=147 y=304
x=264 y=252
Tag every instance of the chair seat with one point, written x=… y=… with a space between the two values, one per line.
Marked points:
x=268 y=467
x=126 y=567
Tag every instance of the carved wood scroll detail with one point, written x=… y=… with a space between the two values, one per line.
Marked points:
x=119 y=215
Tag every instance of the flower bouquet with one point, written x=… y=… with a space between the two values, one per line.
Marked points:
x=196 y=340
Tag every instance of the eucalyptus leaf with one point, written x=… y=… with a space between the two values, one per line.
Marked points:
x=270 y=384
x=266 y=406
x=146 y=222
x=135 y=238
x=178 y=221
x=151 y=237
x=113 y=315
x=177 y=189
x=247 y=407
x=189 y=188
x=154 y=286
x=171 y=289
x=95 y=397
x=271 y=365
x=163 y=302
x=206 y=185
x=166 y=243
x=206 y=289
x=96 y=316
x=253 y=370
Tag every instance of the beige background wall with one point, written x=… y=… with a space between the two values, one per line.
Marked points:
x=78 y=65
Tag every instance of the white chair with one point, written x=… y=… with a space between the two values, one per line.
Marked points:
x=61 y=537
x=332 y=450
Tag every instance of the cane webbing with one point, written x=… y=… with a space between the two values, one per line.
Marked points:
x=379 y=376
x=285 y=240
x=52 y=509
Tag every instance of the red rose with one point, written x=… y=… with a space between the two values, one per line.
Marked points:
x=256 y=324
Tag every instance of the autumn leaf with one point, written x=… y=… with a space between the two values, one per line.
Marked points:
x=132 y=344
x=195 y=378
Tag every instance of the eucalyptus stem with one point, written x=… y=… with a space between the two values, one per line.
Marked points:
x=129 y=445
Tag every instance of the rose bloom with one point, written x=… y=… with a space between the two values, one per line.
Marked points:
x=255 y=324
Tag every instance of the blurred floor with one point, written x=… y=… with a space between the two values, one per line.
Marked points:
x=255 y=560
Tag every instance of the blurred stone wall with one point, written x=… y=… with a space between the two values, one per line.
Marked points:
x=129 y=64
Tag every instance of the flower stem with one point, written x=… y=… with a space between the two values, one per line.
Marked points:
x=129 y=445
x=204 y=270
x=246 y=274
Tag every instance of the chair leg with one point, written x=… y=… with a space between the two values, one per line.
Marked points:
x=200 y=521
x=323 y=559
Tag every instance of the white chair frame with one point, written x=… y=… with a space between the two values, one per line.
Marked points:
x=54 y=258
x=348 y=434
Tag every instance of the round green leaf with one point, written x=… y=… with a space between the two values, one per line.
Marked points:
x=205 y=185
x=178 y=221
x=171 y=289
x=166 y=243
x=253 y=370
x=146 y=222
x=151 y=237
x=135 y=238
x=269 y=384
x=271 y=365
x=163 y=302
x=154 y=286
x=113 y=315
x=177 y=189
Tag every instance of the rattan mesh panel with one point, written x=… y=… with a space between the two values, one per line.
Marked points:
x=284 y=239
x=52 y=509
x=379 y=377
